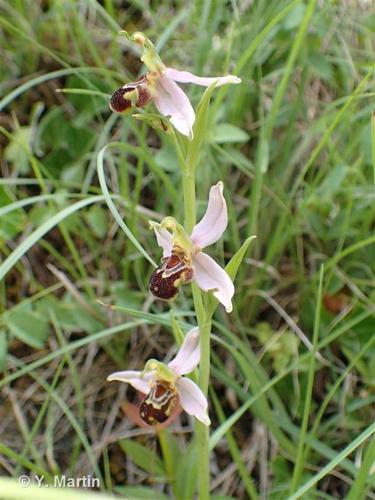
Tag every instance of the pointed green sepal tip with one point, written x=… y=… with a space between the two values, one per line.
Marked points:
x=150 y=56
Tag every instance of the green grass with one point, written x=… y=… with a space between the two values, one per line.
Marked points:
x=294 y=145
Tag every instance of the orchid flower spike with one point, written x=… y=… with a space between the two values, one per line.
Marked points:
x=183 y=259
x=165 y=386
x=159 y=85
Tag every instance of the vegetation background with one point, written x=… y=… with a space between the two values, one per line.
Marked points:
x=295 y=147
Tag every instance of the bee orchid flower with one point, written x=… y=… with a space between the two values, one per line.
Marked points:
x=165 y=385
x=159 y=85
x=183 y=259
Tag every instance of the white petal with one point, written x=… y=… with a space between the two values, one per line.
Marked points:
x=173 y=102
x=133 y=378
x=188 y=355
x=164 y=238
x=186 y=77
x=192 y=399
x=214 y=221
x=210 y=276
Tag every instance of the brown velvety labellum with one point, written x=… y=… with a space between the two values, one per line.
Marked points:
x=144 y=96
x=118 y=103
x=159 y=404
x=166 y=279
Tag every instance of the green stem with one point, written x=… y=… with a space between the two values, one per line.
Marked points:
x=205 y=332
x=204 y=324
x=188 y=186
x=203 y=460
x=202 y=431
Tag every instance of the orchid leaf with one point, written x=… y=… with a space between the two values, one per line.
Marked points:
x=143 y=457
x=200 y=128
x=235 y=262
x=231 y=268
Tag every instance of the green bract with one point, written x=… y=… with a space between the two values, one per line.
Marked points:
x=150 y=56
